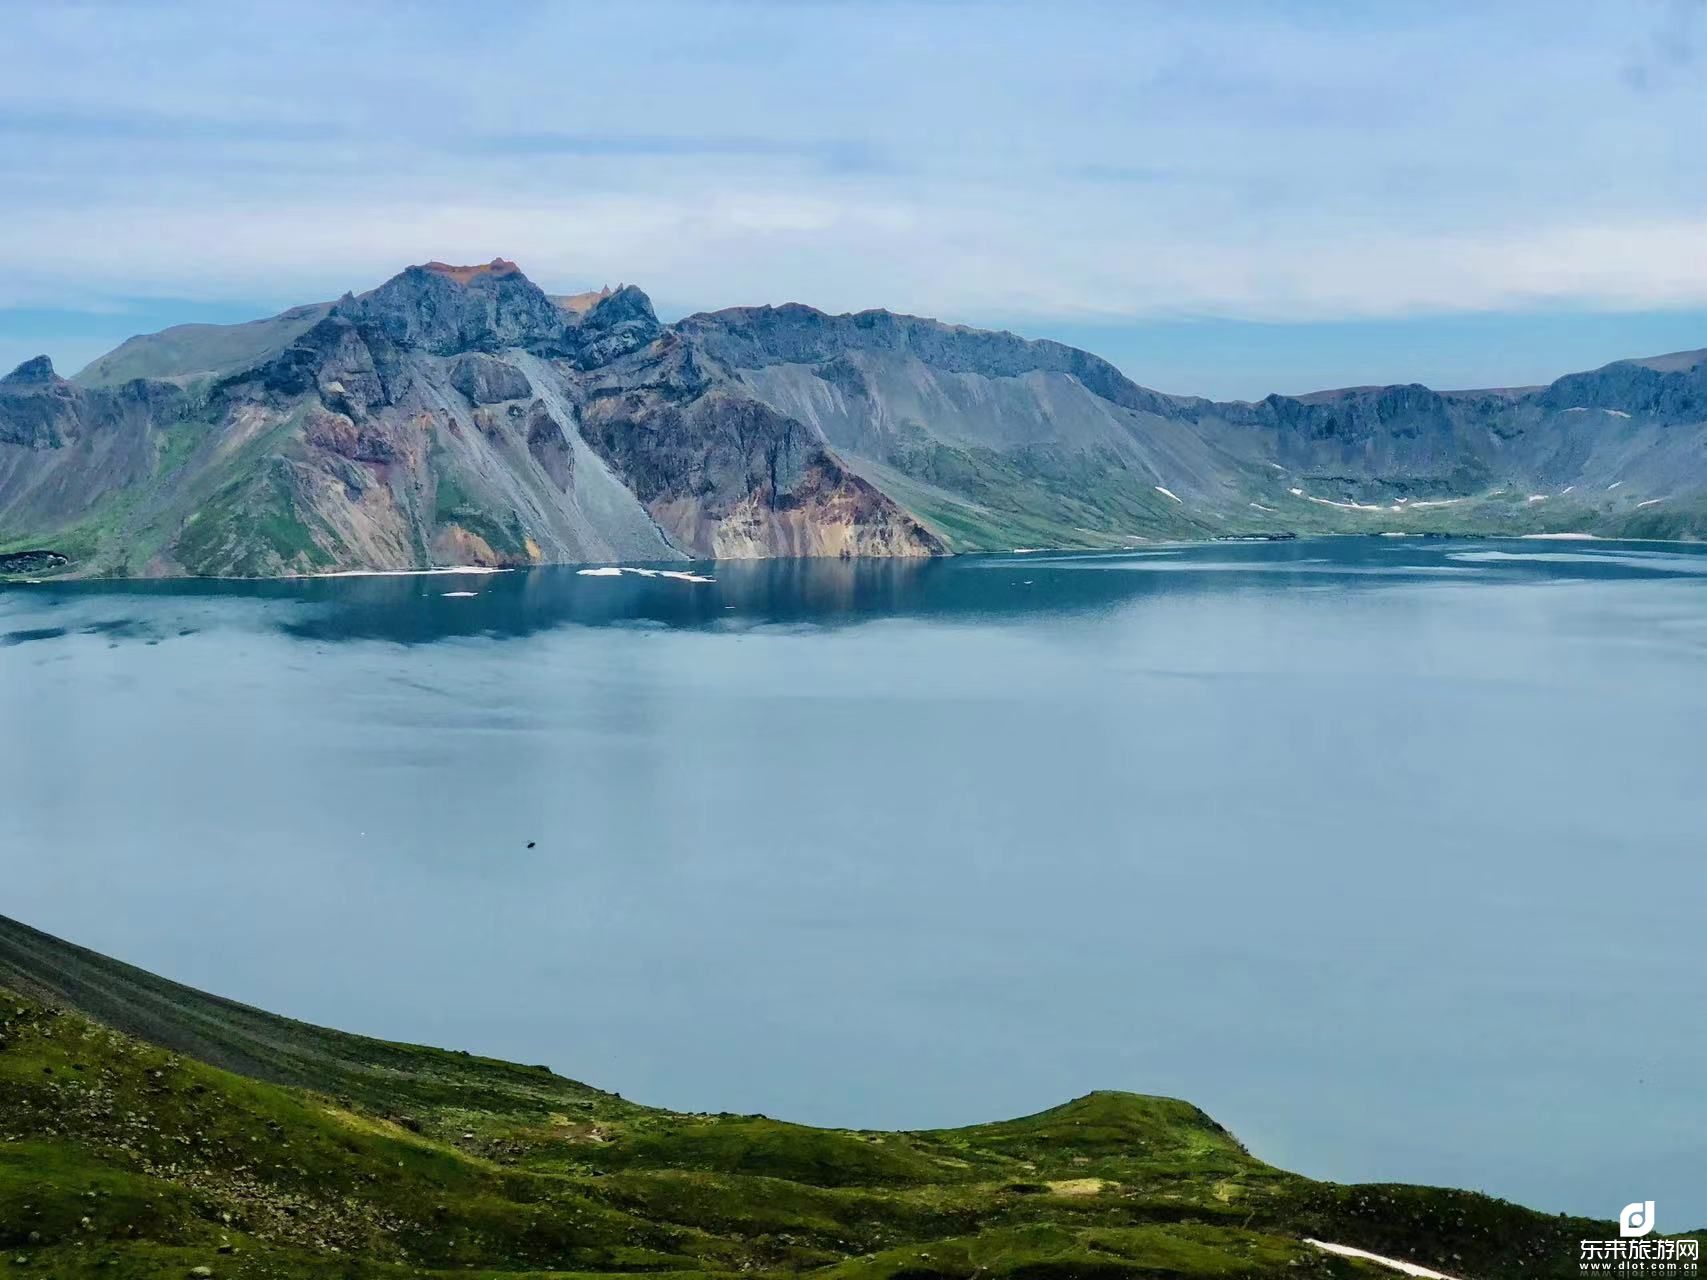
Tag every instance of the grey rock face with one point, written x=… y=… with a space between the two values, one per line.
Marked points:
x=36 y=370
x=448 y=310
x=752 y=337
x=726 y=474
x=485 y=380
x=40 y=410
x=1674 y=394
x=618 y=323
x=549 y=445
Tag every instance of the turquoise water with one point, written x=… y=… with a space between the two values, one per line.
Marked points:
x=1389 y=853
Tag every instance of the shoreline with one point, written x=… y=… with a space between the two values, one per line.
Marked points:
x=650 y=570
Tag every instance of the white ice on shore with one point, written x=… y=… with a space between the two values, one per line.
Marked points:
x=401 y=573
x=616 y=571
x=1396 y=1264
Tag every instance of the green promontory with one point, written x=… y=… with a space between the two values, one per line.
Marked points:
x=149 y=1130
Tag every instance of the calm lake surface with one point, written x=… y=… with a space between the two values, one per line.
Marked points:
x=1388 y=853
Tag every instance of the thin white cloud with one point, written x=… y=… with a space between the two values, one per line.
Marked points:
x=855 y=251
x=967 y=160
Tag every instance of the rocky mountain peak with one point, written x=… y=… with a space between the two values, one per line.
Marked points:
x=38 y=409
x=450 y=310
x=625 y=302
x=36 y=371
x=618 y=321
x=446 y=310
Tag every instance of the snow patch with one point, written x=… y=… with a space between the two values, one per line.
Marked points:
x=1395 y=1264
x=1349 y=506
x=400 y=573
x=1171 y=494
x=616 y=571
x=1650 y=502
x=1616 y=413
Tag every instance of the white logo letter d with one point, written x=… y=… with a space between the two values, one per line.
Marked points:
x=1637 y=1219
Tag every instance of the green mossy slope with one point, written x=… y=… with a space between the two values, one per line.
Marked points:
x=125 y=1152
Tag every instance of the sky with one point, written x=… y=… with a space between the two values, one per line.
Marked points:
x=1225 y=199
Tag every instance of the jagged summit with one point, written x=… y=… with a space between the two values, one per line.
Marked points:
x=447 y=309
x=462 y=275
x=34 y=370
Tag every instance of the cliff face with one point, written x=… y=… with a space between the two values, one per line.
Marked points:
x=996 y=440
x=727 y=475
x=459 y=415
x=454 y=415
x=64 y=448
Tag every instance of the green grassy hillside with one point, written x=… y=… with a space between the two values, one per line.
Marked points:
x=150 y=1130
x=188 y=351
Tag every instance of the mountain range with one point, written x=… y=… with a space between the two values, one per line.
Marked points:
x=460 y=415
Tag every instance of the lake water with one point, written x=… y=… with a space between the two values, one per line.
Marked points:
x=1388 y=853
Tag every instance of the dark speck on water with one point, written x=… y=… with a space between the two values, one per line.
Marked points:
x=1386 y=852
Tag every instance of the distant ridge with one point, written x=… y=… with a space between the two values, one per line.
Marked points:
x=459 y=414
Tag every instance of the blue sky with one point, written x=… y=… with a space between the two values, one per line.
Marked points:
x=1228 y=199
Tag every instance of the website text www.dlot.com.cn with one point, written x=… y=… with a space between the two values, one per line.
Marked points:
x=1634 y=1254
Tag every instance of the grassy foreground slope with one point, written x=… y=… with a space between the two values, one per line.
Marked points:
x=147 y=1129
